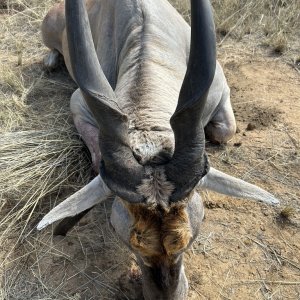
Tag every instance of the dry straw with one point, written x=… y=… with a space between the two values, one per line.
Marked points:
x=274 y=23
x=40 y=152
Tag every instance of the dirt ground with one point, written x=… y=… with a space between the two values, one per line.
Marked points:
x=245 y=251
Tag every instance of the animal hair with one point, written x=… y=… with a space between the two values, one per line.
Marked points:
x=156 y=188
x=176 y=232
x=153 y=147
x=158 y=234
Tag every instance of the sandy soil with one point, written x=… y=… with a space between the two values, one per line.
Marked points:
x=245 y=251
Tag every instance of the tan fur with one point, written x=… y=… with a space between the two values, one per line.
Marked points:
x=157 y=235
x=176 y=232
x=145 y=233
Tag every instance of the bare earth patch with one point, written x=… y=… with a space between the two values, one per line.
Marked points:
x=245 y=251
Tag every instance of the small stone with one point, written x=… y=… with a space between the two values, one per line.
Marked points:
x=265 y=213
x=262 y=228
x=238 y=144
x=251 y=127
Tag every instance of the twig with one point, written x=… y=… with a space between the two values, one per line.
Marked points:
x=293 y=140
x=268 y=281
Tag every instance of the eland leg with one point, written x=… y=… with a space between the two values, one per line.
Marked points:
x=222 y=127
x=52 y=31
x=86 y=127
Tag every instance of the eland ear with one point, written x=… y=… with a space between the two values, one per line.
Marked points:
x=222 y=183
x=84 y=199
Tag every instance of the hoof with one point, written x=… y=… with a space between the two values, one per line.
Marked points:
x=51 y=61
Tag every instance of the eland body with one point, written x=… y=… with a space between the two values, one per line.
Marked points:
x=150 y=90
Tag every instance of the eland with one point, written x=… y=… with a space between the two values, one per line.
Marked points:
x=150 y=93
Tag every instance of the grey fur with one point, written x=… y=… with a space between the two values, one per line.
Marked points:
x=156 y=188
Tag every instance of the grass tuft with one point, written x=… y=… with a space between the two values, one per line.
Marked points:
x=273 y=22
x=287 y=213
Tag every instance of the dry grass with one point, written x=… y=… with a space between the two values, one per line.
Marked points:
x=274 y=23
x=41 y=158
x=40 y=153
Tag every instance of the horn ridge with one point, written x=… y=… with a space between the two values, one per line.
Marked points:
x=119 y=169
x=189 y=162
x=84 y=62
x=202 y=58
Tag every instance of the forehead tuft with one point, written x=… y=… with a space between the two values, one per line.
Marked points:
x=155 y=188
